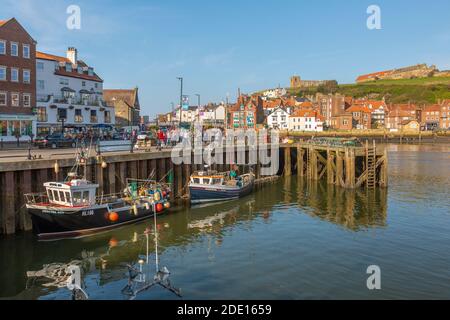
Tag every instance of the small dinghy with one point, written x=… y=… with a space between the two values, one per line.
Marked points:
x=212 y=186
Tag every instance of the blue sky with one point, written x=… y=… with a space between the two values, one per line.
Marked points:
x=218 y=46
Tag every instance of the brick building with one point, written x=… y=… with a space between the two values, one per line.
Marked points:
x=445 y=115
x=398 y=113
x=361 y=116
x=246 y=113
x=431 y=117
x=17 y=81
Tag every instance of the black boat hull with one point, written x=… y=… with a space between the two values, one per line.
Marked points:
x=57 y=224
x=205 y=193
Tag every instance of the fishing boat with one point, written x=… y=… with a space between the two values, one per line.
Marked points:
x=72 y=208
x=213 y=186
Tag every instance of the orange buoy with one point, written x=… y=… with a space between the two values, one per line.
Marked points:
x=113 y=242
x=167 y=205
x=113 y=216
x=159 y=207
x=164 y=194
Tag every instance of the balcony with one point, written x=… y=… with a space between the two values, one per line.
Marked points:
x=75 y=100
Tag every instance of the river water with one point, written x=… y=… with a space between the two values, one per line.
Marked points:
x=290 y=240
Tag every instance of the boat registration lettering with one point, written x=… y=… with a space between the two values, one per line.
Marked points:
x=87 y=213
x=52 y=212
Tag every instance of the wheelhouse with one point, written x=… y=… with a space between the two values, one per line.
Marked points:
x=76 y=193
x=208 y=179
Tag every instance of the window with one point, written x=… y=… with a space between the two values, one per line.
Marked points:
x=14 y=49
x=63 y=81
x=3 y=128
x=14 y=75
x=61 y=196
x=62 y=114
x=3 y=98
x=96 y=85
x=78 y=115
x=26 y=76
x=77 y=197
x=93 y=116
x=83 y=83
x=68 y=67
x=40 y=65
x=2 y=47
x=41 y=114
x=15 y=100
x=26 y=51
x=206 y=181
x=2 y=73
x=55 y=195
x=41 y=85
x=26 y=100
x=68 y=197
x=80 y=70
x=26 y=128
x=85 y=196
x=107 y=117
x=50 y=195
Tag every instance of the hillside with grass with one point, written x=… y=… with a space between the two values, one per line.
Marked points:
x=419 y=91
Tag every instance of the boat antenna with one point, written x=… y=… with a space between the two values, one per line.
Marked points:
x=161 y=276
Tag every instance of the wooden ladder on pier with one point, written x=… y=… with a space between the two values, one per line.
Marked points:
x=371 y=162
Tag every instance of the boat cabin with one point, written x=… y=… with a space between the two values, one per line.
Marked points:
x=208 y=179
x=75 y=193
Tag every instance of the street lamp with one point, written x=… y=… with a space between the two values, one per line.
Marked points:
x=198 y=108
x=181 y=95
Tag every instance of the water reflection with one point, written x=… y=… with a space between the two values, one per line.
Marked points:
x=104 y=257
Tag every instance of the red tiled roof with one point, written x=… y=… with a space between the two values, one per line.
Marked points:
x=306 y=104
x=46 y=56
x=374 y=75
x=2 y=22
x=301 y=113
x=433 y=107
x=359 y=108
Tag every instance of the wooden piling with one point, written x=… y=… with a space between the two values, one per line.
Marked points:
x=287 y=162
x=300 y=161
x=330 y=167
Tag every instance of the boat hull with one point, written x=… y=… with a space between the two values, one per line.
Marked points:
x=211 y=193
x=53 y=223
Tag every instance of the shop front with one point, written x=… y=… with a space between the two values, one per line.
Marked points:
x=14 y=126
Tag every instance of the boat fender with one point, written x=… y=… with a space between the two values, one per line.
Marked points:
x=135 y=210
x=159 y=207
x=113 y=216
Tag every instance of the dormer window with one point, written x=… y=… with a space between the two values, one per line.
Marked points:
x=68 y=67
x=91 y=71
x=80 y=70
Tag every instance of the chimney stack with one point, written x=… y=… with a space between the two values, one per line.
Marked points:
x=72 y=55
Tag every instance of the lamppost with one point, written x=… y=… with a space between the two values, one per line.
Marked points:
x=181 y=95
x=198 y=108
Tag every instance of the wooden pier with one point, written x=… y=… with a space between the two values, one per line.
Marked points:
x=347 y=167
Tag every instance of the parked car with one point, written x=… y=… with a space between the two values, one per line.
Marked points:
x=56 y=140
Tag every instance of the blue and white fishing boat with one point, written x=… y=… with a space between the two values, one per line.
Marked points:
x=212 y=186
